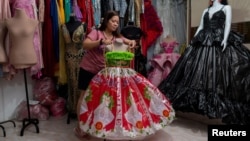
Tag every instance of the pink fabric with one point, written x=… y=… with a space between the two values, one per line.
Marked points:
x=163 y=63
x=36 y=111
x=45 y=91
x=58 y=108
x=77 y=11
x=168 y=47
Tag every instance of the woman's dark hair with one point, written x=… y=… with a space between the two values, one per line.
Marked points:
x=224 y=2
x=106 y=19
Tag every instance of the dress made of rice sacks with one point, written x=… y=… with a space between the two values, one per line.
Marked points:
x=121 y=104
x=210 y=82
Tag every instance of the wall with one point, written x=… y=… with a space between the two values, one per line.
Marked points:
x=12 y=93
x=248 y=46
x=239 y=7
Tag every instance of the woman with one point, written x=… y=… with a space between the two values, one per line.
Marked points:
x=212 y=77
x=93 y=60
x=121 y=104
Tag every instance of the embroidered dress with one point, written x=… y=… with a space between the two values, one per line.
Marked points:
x=73 y=56
x=122 y=104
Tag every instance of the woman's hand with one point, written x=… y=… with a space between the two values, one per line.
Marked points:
x=132 y=43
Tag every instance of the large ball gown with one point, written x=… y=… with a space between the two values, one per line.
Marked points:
x=209 y=81
x=121 y=104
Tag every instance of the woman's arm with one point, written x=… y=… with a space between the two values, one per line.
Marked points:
x=90 y=44
x=228 y=13
x=131 y=43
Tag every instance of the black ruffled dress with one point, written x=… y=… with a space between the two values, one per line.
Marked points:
x=210 y=82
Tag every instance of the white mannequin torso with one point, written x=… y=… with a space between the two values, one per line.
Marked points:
x=213 y=9
x=117 y=45
x=21 y=28
x=3 y=31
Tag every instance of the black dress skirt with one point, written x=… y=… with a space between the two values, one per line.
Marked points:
x=209 y=81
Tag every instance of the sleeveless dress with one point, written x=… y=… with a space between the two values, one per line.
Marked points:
x=210 y=82
x=122 y=104
x=73 y=56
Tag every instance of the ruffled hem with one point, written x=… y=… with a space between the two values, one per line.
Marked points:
x=210 y=104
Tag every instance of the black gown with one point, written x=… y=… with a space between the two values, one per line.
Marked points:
x=210 y=82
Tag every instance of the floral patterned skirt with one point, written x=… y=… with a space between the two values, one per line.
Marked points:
x=122 y=104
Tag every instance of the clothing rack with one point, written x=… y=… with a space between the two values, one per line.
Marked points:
x=1 y=126
x=29 y=120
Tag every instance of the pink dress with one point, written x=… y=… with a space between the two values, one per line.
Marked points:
x=163 y=63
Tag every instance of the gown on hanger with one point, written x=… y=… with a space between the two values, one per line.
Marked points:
x=121 y=104
x=210 y=82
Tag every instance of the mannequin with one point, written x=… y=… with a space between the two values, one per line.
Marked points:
x=211 y=78
x=72 y=25
x=3 y=31
x=73 y=34
x=169 y=38
x=21 y=28
x=117 y=46
x=216 y=6
x=121 y=104
x=163 y=63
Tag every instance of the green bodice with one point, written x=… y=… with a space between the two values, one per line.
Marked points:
x=119 y=58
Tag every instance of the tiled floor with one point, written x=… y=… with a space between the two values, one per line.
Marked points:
x=56 y=129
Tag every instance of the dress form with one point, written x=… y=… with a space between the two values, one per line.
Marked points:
x=72 y=25
x=21 y=28
x=117 y=45
x=216 y=6
x=3 y=31
x=169 y=39
x=73 y=33
x=22 y=54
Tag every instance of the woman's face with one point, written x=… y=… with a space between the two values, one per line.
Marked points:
x=113 y=23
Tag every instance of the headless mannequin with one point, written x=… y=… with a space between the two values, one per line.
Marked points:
x=169 y=39
x=117 y=45
x=215 y=7
x=21 y=28
x=72 y=25
x=3 y=33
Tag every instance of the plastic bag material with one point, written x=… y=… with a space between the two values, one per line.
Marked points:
x=58 y=108
x=36 y=111
x=45 y=91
